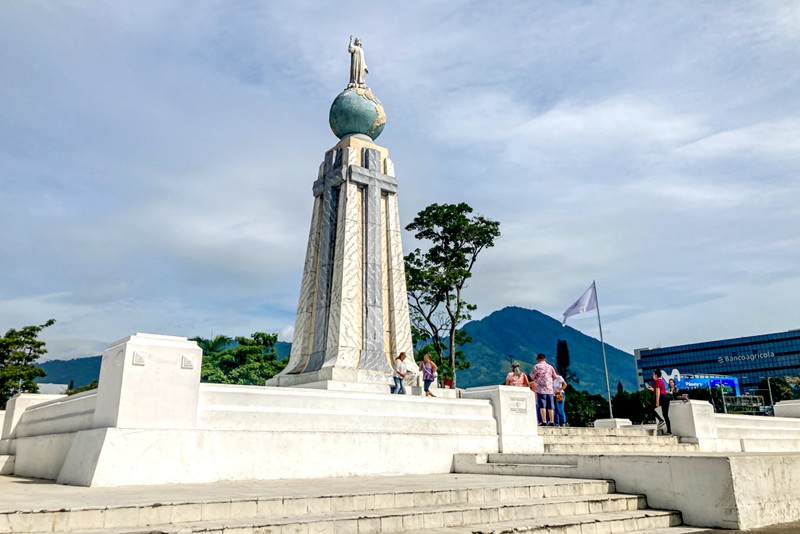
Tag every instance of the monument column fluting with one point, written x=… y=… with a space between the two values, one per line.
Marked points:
x=352 y=316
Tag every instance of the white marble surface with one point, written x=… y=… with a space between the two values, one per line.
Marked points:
x=397 y=294
x=302 y=339
x=714 y=432
x=612 y=423
x=514 y=411
x=16 y=406
x=345 y=328
x=65 y=414
x=144 y=384
x=788 y=408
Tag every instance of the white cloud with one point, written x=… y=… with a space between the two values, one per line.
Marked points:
x=157 y=158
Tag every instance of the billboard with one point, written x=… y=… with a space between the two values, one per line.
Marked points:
x=730 y=386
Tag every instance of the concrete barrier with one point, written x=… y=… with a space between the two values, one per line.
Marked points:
x=788 y=408
x=695 y=422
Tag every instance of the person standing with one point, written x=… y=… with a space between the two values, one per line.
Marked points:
x=400 y=371
x=659 y=388
x=429 y=370
x=516 y=377
x=559 y=387
x=542 y=376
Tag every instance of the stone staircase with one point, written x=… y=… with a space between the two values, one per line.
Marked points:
x=566 y=440
x=565 y=446
x=455 y=504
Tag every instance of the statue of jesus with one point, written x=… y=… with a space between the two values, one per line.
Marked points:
x=358 y=68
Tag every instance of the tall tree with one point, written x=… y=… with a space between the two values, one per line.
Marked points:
x=562 y=357
x=216 y=344
x=436 y=278
x=562 y=362
x=19 y=350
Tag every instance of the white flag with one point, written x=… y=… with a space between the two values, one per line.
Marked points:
x=588 y=301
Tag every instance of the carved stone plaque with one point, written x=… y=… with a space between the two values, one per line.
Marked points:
x=519 y=404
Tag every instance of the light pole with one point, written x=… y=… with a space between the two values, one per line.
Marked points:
x=771 y=401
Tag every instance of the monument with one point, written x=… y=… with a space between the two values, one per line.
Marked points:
x=151 y=420
x=352 y=317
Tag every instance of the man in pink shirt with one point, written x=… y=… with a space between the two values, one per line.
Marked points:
x=542 y=376
x=662 y=401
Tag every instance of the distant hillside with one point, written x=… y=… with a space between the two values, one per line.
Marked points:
x=82 y=371
x=524 y=333
x=518 y=331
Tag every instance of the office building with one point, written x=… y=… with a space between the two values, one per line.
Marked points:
x=750 y=359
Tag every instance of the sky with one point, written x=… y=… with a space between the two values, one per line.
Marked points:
x=157 y=157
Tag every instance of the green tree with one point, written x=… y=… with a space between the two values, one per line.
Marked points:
x=251 y=361
x=583 y=408
x=781 y=388
x=81 y=389
x=636 y=406
x=436 y=278
x=217 y=344
x=19 y=351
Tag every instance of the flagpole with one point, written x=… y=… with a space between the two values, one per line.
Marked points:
x=603 y=347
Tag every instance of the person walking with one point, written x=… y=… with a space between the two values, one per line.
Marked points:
x=400 y=371
x=559 y=387
x=429 y=371
x=659 y=388
x=542 y=376
x=516 y=377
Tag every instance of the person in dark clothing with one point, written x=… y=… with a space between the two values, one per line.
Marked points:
x=659 y=388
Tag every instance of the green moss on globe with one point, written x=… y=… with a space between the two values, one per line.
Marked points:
x=357 y=111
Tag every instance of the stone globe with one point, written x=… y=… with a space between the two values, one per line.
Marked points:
x=357 y=111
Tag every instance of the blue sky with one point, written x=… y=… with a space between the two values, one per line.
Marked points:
x=156 y=158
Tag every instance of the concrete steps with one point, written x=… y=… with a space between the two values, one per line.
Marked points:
x=594 y=448
x=472 y=504
x=560 y=440
x=640 y=521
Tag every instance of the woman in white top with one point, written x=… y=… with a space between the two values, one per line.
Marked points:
x=559 y=385
x=400 y=371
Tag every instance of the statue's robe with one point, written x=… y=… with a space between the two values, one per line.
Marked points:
x=357 y=66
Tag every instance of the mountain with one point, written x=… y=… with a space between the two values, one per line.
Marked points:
x=513 y=331
x=524 y=333
x=80 y=371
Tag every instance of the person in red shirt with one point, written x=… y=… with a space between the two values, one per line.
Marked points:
x=662 y=400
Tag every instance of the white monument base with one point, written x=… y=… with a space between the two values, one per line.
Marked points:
x=152 y=422
x=612 y=423
x=787 y=408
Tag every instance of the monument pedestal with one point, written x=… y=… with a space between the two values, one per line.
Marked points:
x=352 y=317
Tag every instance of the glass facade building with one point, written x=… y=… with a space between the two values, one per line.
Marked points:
x=747 y=358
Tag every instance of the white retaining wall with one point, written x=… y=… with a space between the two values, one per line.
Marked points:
x=151 y=422
x=732 y=491
x=789 y=408
x=696 y=422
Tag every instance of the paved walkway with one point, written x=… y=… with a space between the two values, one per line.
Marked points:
x=25 y=494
